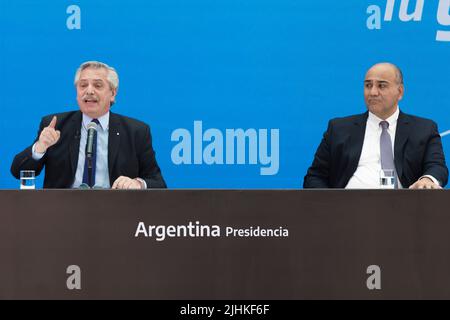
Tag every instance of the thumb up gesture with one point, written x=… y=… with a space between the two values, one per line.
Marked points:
x=49 y=136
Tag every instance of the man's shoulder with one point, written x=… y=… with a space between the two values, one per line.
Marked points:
x=128 y=121
x=348 y=120
x=62 y=117
x=416 y=119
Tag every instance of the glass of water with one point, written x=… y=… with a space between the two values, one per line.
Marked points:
x=387 y=179
x=27 y=179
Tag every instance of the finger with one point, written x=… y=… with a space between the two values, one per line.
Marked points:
x=52 y=123
x=128 y=184
x=46 y=138
x=45 y=132
x=50 y=137
x=58 y=134
x=53 y=134
x=134 y=184
x=114 y=186
x=120 y=182
x=137 y=184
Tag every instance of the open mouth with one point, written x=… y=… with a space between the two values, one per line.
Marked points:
x=90 y=100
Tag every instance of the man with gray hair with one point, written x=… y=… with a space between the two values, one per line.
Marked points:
x=123 y=156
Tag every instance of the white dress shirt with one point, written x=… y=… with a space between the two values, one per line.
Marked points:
x=367 y=174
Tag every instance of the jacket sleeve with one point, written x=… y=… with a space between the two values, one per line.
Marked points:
x=318 y=174
x=148 y=167
x=24 y=159
x=434 y=159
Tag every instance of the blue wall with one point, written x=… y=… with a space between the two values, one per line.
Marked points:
x=252 y=64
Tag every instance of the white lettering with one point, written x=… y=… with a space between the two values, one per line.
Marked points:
x=240 y=147
x=74 y=20
x=74 y=280
x=141 y=229
x=443 y=17
x=374 y=20
x=374 y=281
x=415 y=16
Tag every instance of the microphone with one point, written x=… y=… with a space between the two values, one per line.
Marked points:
x=92 y=131
x=90 y=149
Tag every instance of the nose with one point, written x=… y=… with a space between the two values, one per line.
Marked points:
x=90 y=89
x=374 y=91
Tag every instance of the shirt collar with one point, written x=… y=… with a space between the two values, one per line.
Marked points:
x=104 y=121
x=392 y=120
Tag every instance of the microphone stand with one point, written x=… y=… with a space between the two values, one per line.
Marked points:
x=90 y=151
x=89 y=167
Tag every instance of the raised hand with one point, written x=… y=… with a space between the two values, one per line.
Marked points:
x=48 y=137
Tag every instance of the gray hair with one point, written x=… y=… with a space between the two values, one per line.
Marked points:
x=112 y=76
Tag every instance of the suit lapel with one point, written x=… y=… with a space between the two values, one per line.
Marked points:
x=74 y=146
x=356 y=140
x=401 y=136
x=113 y=142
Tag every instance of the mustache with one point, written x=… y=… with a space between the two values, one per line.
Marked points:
x=90 y=97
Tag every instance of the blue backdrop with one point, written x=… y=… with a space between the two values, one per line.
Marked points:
x=280 y=67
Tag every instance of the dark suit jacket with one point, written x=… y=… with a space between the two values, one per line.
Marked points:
x=130 y=152
x=417 y=152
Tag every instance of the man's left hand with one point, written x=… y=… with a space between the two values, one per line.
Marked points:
x=424 y=183
x=123 y=182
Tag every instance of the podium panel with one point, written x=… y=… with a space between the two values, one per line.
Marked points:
x=224 y=244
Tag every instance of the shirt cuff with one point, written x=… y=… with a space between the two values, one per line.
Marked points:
x=37 y=155
x=432 y=178
x=142 y=181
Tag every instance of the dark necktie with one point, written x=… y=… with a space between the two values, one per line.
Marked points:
x=94 y=160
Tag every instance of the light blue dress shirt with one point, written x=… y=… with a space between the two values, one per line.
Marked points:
x=101 y=169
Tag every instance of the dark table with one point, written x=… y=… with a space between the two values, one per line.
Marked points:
x=333 y=237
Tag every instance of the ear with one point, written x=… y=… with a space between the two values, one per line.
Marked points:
x=113 y=96
x=401 y=91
